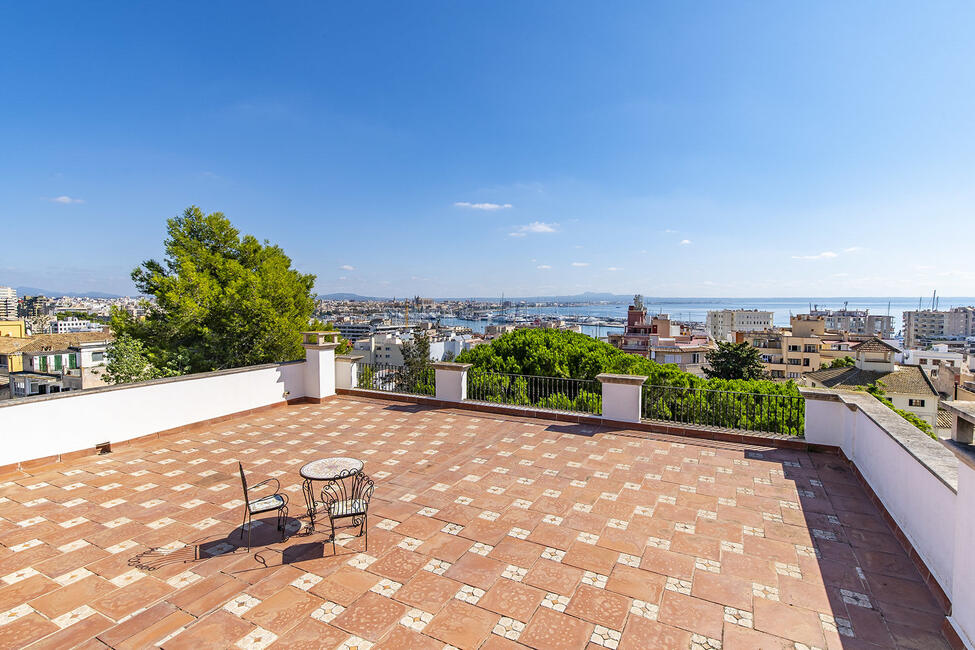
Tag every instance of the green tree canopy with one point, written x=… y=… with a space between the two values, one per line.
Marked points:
x=222 y=300
x=734 y=361
x=843 y=362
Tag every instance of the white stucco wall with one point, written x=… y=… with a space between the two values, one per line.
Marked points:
x=915 y=495
x=44 y=426
x=963 y=598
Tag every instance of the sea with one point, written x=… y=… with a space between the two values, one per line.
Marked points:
x=696 y=309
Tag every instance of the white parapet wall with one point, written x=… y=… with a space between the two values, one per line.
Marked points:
x=43 y=426
x=913 y=475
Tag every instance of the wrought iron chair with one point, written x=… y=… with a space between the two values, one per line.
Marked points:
x=268 y=503
x=347 y=496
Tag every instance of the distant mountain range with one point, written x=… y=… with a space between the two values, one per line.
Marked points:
x=34 y=291
x=588 y=296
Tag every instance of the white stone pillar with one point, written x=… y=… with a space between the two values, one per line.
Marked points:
x=347 y=370
x=451 y=381
x=319 y=364
x=962 y=617
x=622 y=396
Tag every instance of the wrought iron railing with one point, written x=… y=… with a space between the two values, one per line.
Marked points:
x=766 y=412
x=556 y=393
x=396 y=379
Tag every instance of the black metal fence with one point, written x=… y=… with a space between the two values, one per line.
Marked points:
x=556 y=393
x=396 y=379
x=767 y=412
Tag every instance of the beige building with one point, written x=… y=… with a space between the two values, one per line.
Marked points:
x=662 y=340
x=721 y=325
x=929 y=325
x=908 y=387
x=789 y=353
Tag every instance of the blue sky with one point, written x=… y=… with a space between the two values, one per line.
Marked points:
x=458 y=148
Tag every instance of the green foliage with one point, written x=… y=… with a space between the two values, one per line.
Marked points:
x=735 y=361
x=845 y=362
x=80 y=315
x=764 y=406
x=877 y=390
x=317 y=325
x=222 y=300
x=417 y=373
x=129 y=361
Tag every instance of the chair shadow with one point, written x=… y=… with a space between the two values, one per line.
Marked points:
x=265 y=533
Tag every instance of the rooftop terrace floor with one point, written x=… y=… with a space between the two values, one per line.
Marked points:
x=484 y=531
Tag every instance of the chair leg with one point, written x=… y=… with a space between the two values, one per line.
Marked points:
x=332 y=521
x=365 y=527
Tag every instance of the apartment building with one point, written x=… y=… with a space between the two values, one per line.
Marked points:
x=924 y=326
x=54 y=363
x=722 y=324
x=73 y=324
x=790 y=353
x=856 y=321
x=8 y=303
x=387 y=347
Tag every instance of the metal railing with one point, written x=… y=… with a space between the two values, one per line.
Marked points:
x=396 y=379
x=766 y=412
x=555 y=393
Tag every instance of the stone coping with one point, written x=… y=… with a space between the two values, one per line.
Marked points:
x=349 y=357
x=961 y=408
x=139 y=384
x=629 y=380
x=450 y=365
x=933 y=455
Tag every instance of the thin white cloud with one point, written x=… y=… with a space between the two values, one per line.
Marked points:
x=580 y=264
x=543 y=266
x=670 y=232
x=535 y=227
x=853 y=249
x=342 y=278
x=347 y=267
x=65 y=200
x=825 y=255
x=614 y=268
x=685 y=242
x=482 y=206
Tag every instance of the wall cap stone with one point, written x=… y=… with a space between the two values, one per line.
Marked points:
x=450 y=365
x=630 y=380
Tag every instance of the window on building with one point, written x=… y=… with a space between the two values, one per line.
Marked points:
x=72 y=361
x=805 y=362
x=97 y=356
x=795 y=362
x=919 y=403
x=58 y=362
x=43 y=361
x=793 y=348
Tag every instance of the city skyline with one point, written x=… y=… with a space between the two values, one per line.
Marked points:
x=711 y=151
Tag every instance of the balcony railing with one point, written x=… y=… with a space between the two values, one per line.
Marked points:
x=396 y=379
x=555 y=393
x=770 y=413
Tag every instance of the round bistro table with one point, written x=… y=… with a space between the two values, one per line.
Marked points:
x=325 y=469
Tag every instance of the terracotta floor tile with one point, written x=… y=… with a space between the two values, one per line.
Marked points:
x=401 y=637
x=737 y=637
x=722 y=589
x=789 y=622
x=25 y=630
x=515 y=551
x=74 y=595
x=554 y=576
x=668 y=563
x=476 y=570
x=220 y=627
x=345 y=585
x=129 y=599
x=399 y=565
x=370 y=617
x=282 y=611
x=427 y=591
x=119 y=633
x=461 y=625
x=591 y=558
x=641 y=634
x=551 y=630
x=513 y=599
x=74 y=635
x=156 y=632
x=691 y=614
x=445 y=547
x=599 y=606
x=310 y=635
x=636 y=583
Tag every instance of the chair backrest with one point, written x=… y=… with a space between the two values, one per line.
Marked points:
x=349 y=487
x=243 y=479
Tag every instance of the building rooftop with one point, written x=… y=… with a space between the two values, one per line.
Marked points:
x=904 y=379
x=484 y=531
